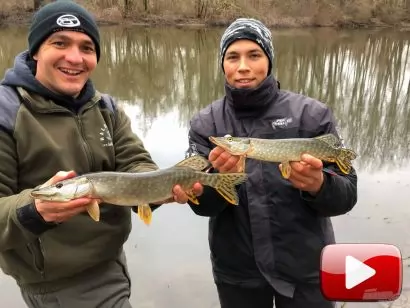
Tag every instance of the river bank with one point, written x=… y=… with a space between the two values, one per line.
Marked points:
x=206 y=13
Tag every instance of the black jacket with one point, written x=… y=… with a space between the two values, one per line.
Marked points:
x=277 y=232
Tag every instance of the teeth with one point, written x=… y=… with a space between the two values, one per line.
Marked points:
x=245 y=80
x=70 y=72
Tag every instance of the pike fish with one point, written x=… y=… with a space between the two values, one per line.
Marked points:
x=326 y=147
x=141 y=189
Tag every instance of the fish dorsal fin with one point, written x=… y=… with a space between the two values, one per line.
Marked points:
x=330 y=139
x=195 y=162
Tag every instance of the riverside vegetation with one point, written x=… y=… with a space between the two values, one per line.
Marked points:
x=275 y=13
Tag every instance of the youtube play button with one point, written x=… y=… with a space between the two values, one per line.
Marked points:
x=356 y=272
x=361 y=272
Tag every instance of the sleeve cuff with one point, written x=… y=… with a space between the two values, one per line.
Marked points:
x=31 y=220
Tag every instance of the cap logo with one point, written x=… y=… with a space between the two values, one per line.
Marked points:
x=68 y=21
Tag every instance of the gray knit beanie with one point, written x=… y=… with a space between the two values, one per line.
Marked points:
x=251 y=29
x=61 y=15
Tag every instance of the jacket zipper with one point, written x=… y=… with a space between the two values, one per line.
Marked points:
x=37 y=251
x=86 y=145
x=43 y=253
x=84 y=142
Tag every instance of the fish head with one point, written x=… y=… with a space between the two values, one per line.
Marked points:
x=65 y=190
x=233 y=145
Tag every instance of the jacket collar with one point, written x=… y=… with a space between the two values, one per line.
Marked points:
x=251 y=102
x=41 y=104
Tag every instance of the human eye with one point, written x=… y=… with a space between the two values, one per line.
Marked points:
x=59 y=44
x=88 y=49
x=255 y=55
x=232 y=57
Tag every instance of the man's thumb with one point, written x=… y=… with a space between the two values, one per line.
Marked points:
x=60 y=176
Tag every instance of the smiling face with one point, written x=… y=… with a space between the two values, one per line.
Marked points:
x=65 y=61
x=245 y=64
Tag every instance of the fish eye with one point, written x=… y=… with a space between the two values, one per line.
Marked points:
x=230 y=138
x=59 y=185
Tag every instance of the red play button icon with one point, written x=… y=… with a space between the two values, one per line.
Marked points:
x=361 y=272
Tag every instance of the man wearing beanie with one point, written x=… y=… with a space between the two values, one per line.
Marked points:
x=267 y=250
x=52 y=120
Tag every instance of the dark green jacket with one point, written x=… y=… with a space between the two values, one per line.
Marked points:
x=37 y=139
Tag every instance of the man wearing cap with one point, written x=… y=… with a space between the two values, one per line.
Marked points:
x=52 y=121
x=267 y=249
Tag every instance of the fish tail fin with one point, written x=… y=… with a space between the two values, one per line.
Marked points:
x=145 y=213
x=225 y=185
x=196 y=162
x=344 y=159
x=93 y=209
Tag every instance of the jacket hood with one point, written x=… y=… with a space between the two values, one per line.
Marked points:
x=23 y=75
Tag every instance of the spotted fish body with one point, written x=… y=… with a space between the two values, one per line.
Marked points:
x=142 y=189
x=327 y=148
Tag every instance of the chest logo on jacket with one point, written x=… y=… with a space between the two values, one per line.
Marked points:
x=105 y=138
x=281 y=123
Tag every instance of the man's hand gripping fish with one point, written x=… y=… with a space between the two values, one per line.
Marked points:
x=326 y=147
x=141 y=189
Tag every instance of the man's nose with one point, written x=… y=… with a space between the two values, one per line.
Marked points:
x=243 y=65
x=74 y=55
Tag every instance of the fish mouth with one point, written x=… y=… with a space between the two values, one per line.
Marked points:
x=216 y=141
x=219 y=141
x=38 y=193
x=213 y=139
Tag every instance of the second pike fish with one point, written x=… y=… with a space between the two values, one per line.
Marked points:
x=326 y=147
x=141 y=189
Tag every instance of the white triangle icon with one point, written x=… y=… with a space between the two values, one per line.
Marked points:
x=356 y=272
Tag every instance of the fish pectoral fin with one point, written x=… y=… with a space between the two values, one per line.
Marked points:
x=285 y=170
x=93 y=210
x=196 y=162
x=145 y=213
x=192 y=197
x=241 y=163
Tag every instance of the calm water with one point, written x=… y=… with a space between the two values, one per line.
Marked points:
x=163 y=76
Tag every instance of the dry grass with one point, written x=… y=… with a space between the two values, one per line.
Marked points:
x=291 y=13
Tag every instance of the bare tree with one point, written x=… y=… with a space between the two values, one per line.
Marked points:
x=127 y=5
x=37 y=4
x=202 y=7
